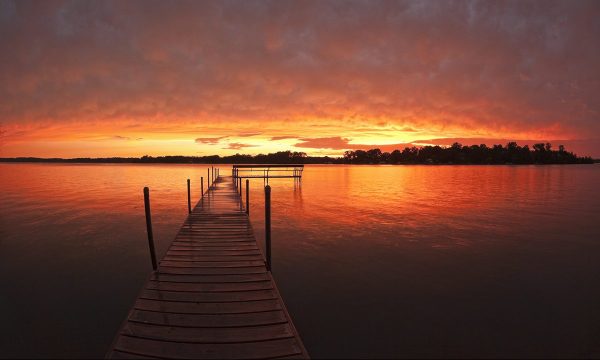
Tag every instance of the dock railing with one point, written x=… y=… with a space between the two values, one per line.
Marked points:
x=267 y=171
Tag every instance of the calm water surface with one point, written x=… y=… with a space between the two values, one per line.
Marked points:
x=377 y=261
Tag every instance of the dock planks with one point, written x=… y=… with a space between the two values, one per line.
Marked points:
x=212 y=296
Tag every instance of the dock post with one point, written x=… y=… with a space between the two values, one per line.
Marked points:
x=268 y=225
x=202 y=187
x=149 y=228
x=208 y=179
x=248 y=197
x=189 y=200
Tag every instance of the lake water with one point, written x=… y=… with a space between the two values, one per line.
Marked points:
x=372 y=261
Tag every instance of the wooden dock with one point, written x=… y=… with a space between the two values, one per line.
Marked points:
x=211 y=296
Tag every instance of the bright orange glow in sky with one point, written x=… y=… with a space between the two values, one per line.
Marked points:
x=200 y=78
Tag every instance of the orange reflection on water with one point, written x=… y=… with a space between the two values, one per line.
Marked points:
x=489 y=254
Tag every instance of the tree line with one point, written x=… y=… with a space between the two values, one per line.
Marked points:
x=281 y=157
x=512 y=153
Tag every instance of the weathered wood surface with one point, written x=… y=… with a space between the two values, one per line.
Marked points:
x=212 y=296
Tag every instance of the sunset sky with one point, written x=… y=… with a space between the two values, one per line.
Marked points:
x=129 y=78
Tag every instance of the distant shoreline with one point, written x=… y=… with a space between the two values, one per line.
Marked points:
x=457 y=154
x=137 y=161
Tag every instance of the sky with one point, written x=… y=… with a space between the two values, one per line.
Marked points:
x=130 y=78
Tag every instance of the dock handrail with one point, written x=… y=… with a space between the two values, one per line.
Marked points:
x=265 y=171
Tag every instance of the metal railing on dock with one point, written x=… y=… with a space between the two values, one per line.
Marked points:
x=267 y=171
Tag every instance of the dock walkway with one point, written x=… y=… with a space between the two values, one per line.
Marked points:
x=212 y=296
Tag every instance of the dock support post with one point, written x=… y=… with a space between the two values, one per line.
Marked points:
x=208 y=179
x=268 y=225
x=247 y=196
x=202 y=187
x=189 y=199
x=149 y=228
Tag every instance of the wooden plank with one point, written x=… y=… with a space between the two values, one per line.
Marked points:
x=209 y=279
x=215 y=258
x=214 y=238
x=226 y=335
x=218 y=263
x=215 y=242
x=207 y=308
x=214 y=247
x=209 y=321
x=208 y=297
x=221 y=270
x=179 y=350
x=219 y=287
x=210 y=252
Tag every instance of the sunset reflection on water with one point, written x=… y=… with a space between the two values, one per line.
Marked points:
x=373 y=261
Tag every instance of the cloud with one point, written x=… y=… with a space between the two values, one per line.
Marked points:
x=408 y=129
x=210 y=140
x=118 y=137
x=335 y=143
x=238 y=146
x=339 y=143
x=277 y=138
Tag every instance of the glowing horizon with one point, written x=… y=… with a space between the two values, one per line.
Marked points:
x=101 y=79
